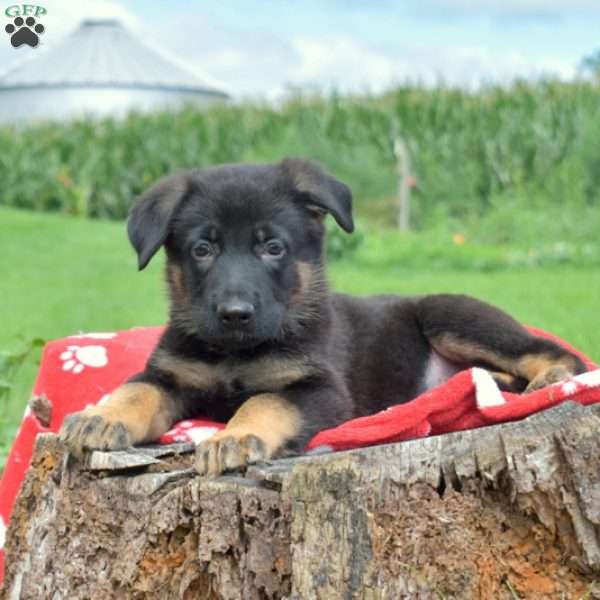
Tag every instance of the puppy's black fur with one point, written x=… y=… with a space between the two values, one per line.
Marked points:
x=256 y=339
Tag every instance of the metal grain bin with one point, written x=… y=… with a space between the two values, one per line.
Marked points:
x=99 y=69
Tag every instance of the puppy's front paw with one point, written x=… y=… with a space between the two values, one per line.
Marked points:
x=228 y=450
x=548 y=377
x=88 y=431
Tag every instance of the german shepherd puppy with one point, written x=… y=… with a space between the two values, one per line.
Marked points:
x=255 y=339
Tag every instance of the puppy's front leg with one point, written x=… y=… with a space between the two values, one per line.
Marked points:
x=257 y=431
x=274 y=424
x=136 y=412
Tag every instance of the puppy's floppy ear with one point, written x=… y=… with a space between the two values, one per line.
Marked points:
x=320 y=191
x=150 y=217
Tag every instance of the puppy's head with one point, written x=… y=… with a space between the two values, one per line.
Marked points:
x=244 y=247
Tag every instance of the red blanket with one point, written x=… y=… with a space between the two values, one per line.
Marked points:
x=83 y=369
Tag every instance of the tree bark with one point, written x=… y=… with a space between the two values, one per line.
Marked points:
x=509 y=511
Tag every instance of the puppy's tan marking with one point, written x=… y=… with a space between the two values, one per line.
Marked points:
x=257 y=431
x=318 y=213
x=534 y=365
x=305 y=274
x=542 y=371
x=181 y=299
x=141 y=407
x=176 y=281
x=306 y=302
x=135 y=413
x=539 y=369
x=187 y=373
x=271 y=372
x=463 y=351
x=268 y=416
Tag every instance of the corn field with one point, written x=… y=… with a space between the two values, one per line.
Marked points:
x=529 y=146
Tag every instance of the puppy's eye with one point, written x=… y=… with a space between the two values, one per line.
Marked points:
x=273 y=249
x=203 y=250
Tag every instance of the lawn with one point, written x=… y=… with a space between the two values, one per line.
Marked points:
x=63 y=275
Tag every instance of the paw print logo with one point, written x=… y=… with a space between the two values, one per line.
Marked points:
x=24 y=31
x=76 y=358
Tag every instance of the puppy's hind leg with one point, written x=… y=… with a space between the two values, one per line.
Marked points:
x=468 y=331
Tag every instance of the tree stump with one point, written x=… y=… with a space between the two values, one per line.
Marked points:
x=509 y=511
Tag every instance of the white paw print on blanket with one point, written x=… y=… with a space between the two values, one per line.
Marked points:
x=77 y=358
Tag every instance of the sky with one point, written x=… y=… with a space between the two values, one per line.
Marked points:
x=265 y=47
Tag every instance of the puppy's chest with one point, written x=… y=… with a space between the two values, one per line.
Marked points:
x=231 y=377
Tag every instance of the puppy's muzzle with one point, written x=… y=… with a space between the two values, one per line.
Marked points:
x=236 y=314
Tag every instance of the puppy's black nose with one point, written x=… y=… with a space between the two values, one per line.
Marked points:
x=235 y=313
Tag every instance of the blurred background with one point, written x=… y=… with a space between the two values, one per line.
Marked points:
x=468 y=131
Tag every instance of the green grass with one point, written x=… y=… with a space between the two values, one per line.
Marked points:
x=64 y=275
x=61 y=276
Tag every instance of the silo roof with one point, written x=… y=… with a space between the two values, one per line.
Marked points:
x=102 y=53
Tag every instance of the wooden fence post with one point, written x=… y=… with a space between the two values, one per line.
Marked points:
x=404 y=178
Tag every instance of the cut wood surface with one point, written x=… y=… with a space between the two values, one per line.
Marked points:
x=509 y=511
